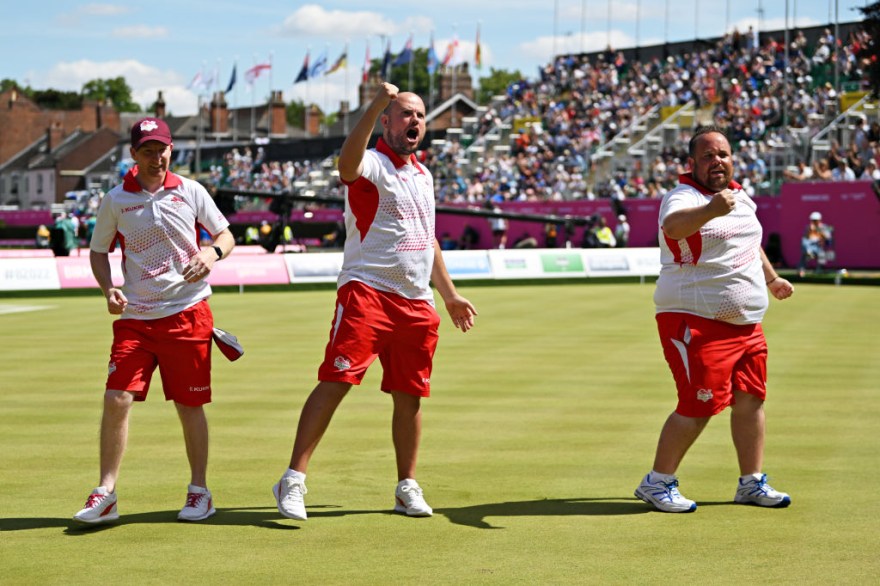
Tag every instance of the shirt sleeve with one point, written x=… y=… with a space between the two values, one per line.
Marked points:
x=207 y=213
x=105 y=226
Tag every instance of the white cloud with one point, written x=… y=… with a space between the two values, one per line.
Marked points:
x=313 y=20
x=140 y=32
x=101 y=9
x=145 y=81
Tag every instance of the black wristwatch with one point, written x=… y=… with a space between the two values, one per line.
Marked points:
x=219 y=252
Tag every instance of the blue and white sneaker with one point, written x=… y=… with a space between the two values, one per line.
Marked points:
x=664 y=495
x=754 y=490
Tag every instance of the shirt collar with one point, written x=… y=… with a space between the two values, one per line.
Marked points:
x=383 y=148
x=131 y=184
x=688 y=179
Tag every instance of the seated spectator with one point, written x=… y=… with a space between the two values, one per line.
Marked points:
x=816 y=243
x=871 y=172
x=800 y=173
x=843 y=172
x=821 y=171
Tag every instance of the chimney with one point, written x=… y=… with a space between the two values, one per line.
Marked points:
x=313 y=120
x=279 y=114
x=219 y=114
x=160 y=106
x=54 y=134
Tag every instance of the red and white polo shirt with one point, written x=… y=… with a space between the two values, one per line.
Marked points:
x=716 y=272
x=389 y=220
x=158 y=234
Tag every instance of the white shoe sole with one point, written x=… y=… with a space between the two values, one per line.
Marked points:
x=276 y=490
x=180 y=516
x=114 y=516
x=639 y=494
x=401 y=509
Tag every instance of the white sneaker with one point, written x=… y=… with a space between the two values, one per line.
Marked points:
x=408 y=499
x=664 y=496
x=289 y=493
x=756 y=491
x=199 y=504
x=100 y=507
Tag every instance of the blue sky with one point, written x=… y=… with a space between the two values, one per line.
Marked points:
x=163 y=44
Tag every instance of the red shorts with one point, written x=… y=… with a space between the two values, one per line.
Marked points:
x=710 y=359
x=369 y=323
x=180 y=345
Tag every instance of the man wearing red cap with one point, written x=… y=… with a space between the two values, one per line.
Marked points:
x=165 y=320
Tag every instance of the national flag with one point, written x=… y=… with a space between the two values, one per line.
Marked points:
x=231 y=83
x=432 y=57
x=209 y=80
x=304 y=72
x=196 y=82
x=386 y=62
x=319 y=66
x=366 y=72
x=478 y=54
x=252 y=74
x=406 y=55
x=340 y=63
x=451 y=50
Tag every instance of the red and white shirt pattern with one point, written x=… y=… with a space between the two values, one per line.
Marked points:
x=158 y=234
x=716 y=272
x=389 y=220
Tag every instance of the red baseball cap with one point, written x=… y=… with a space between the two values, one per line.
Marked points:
x=147 y=129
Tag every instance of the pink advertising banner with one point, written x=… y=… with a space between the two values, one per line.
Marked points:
x=852 y=209
x=249 y=269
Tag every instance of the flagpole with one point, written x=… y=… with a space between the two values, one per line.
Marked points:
x=217 y=91
x=306 y=102
x=412 y=58
x=345 y=114
x=269 y=103
x=253 y=105
x=235 y=103
x=199 y=131
x=431 y=74
x=454 y=67
x=324 y=83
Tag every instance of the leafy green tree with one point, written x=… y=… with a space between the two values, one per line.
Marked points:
x=296 y=114
x=116 y=89
x=496 y=84
x=6 y=84
x=56 y=99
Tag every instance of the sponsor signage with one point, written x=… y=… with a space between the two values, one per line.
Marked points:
x=28 y=274
x=468 y=264
x=317 y=267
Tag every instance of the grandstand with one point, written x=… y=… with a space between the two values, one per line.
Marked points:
x=615 y=124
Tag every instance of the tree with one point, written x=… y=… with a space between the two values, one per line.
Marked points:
x=116 y=89
x=296 y=114
x=7 y=84
x=55 y=99
x=871 y=52
x=496 y=83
